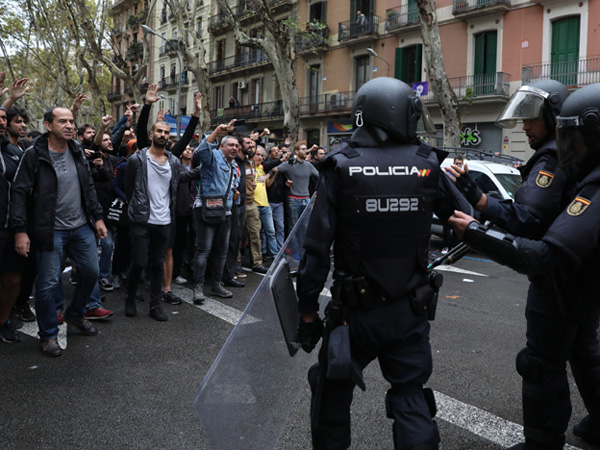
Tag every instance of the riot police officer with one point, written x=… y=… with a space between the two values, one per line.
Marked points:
x=374 y=201
x=542 y=196
x=563 y=311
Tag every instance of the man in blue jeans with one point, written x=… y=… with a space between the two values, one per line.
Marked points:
x=54 y=204
x=219 y=179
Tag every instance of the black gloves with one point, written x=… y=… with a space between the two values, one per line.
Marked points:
x=310 y=333
x=468 y=187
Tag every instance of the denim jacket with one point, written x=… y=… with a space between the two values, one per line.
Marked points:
x=216 y=172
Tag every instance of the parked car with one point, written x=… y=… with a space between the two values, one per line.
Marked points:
x=495 y=180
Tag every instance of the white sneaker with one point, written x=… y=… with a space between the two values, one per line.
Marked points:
x=444 y=250
x=198 y=295
x=180 y=280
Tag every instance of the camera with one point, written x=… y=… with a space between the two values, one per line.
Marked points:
x=94 y=156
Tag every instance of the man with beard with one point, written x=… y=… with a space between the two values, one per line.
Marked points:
x=17 y=120
x=151 y=180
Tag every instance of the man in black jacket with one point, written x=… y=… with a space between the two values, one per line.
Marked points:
x=54 y=204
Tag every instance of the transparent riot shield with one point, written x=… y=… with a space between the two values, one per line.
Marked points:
x=247 y=395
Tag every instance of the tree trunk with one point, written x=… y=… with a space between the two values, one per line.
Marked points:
x=444 y=94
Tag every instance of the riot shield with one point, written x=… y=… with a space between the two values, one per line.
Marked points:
x=247 y=394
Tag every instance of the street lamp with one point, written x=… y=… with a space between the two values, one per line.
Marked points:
x=374 y=53
x=149 y=30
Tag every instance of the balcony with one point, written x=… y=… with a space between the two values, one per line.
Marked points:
x=252 y=113
x=135 y=51
x=570 y=73
x=477 y=86
x=402 y=17
x=243 y=60
x=339 y=102
x=350 y=29
x=218 y=23
x=245 y=10
x=479 y=7
x=312 y=40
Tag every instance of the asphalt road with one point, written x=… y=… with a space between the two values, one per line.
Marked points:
x=133 y=385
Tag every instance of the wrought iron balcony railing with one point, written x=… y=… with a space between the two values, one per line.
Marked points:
x=244 y=59
x=401 y=16
x=268 y=110
x=312 y=39
x=336 y=102
x=470 y=87
x=571 y=73
x=462 y=6
x=351 y=29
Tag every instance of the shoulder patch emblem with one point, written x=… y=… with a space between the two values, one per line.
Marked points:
x=544 y=179
x=578 y=206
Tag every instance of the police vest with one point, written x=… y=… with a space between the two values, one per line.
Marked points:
x=385 y=199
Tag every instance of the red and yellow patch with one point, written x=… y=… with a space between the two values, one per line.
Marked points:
x=544 y=179
x=424 y=172
x=578 y=206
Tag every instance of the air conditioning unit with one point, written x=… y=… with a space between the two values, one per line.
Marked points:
x=241 y=85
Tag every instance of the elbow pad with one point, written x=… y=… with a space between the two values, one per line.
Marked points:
x=523 y=255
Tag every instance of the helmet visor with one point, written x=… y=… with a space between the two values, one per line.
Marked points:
x=425 y=125
x=526 y=103
x=571 y=144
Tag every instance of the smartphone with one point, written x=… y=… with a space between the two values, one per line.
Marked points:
x=239 y=122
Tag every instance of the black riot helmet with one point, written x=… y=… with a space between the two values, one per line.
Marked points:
x=540 y=99
x=578 y=128
x=392 y=106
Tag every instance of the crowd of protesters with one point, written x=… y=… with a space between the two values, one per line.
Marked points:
x=125 y=204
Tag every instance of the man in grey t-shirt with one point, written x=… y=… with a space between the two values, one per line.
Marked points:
x=54 y=204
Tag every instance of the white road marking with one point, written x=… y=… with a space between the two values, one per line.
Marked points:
x=217 y=309
x=444 y=268
x=31 y=329
x=480 y=422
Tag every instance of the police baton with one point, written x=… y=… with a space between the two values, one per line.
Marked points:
x=452 y=256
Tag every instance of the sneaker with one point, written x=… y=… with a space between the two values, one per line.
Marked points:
x=83 y=325
x=158 y=314
x=105 y=284
x=444 y=250
x=130 y=308
x=260 y=269
x=234 y=283
x=116 y=282
x=180 y=280
x=9 y=333
x=587 y=431
x=98 y=314
x=171 y=298
x=240 y=274
x=59 y=316
x=25 y=313
x=218 y=290
x=73 y=277
x=51 y=347
x=198 y=295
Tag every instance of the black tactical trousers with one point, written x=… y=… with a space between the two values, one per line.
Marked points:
x=557 y=334
x=400 y=340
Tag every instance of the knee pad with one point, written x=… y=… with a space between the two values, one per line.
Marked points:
x=408 y=390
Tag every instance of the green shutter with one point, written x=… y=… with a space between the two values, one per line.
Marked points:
x=418 y=63
x=486 y=44
x=353 y=9
x=323 y=12
x=565 y=50
x=400 y=64
x=413 y=11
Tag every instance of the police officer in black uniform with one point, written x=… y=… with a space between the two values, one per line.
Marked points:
x=562 y=308
x=374 y=201
x=543 y=193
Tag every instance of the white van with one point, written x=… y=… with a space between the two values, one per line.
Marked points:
x=495 y=180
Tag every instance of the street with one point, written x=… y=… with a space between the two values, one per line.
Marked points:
x=133 y=385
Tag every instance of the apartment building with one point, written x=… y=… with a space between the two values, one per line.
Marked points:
x=128 y=16
x=490 y=48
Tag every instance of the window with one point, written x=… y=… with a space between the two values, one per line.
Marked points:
x=565 y=50
x=485 y=62
x=219 y=97
x=314 y=74
x=318 y=12
x=362 y=64
x=408 y=64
